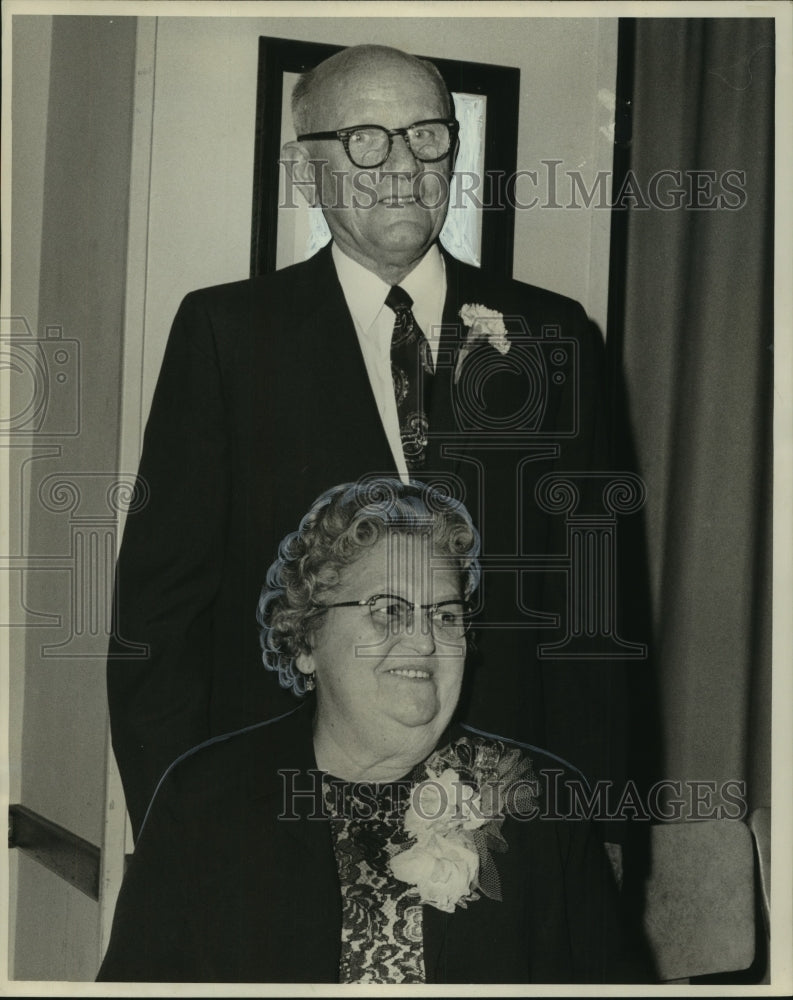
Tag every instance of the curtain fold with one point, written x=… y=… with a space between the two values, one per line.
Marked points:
x=696 y=350
x=691 y=346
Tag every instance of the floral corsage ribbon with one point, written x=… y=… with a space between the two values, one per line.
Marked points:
x=454 y=819
x=484 y=325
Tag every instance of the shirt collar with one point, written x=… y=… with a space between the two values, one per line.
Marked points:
x=366 y=293
x=425 y=280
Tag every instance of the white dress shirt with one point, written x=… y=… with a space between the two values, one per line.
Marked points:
x=365 y=294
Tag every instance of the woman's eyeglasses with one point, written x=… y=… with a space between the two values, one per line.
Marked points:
x=370 y=145
x=448 y=620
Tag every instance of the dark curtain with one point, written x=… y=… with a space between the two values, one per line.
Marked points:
x=692 y=345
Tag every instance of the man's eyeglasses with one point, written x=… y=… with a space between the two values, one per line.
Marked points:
x=390 y=614
x=370 y=145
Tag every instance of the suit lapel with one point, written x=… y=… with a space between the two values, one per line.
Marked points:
x=329 y=326
x=328 y=334
x=347 y=398
x=448 y=434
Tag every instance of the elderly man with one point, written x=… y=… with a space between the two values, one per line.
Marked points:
x=352 y=363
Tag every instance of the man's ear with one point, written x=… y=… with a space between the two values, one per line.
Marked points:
x=301 y=172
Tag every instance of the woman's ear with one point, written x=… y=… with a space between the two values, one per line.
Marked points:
x=300 y=170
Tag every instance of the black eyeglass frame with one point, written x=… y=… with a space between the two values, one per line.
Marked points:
x=343 y=136
x=370 y=602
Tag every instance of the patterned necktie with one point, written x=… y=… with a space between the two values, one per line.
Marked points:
x=411 y=371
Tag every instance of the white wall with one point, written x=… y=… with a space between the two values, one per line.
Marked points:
x=32 y=41
x=72 y=117
x=203 y=143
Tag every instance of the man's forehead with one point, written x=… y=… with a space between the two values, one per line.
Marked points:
x=371 y=61
x=370 y=85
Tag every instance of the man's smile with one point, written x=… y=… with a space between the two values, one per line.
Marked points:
x=398 y=201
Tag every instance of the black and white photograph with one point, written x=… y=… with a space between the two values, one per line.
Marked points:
x=396 y=548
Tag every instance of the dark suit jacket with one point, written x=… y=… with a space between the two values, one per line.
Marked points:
x=263 y=403
x=222 y=890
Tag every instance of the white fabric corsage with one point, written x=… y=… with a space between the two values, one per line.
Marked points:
x=443 y=863
x=455 y=819
x=485 y=324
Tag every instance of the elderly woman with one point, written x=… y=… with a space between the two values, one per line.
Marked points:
x=359 y=838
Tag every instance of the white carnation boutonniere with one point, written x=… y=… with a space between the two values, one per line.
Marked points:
x=484 y=325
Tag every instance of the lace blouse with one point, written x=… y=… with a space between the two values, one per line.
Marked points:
x=381 y=938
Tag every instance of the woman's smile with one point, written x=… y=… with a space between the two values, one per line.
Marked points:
x=411 y=674
x=383 y=677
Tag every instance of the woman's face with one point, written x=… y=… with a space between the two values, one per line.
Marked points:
x=383 y=692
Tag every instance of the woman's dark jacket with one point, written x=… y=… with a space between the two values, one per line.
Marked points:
x=224 y=887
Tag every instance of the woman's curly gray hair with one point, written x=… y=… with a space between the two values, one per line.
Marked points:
x=341 y=525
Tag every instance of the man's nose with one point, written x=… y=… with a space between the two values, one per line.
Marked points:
x=401 y=159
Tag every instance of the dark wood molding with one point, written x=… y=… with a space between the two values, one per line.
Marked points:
x=62 y=852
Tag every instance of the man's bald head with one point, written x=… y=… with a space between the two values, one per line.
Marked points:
x=384 y=218
x=319 y=88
